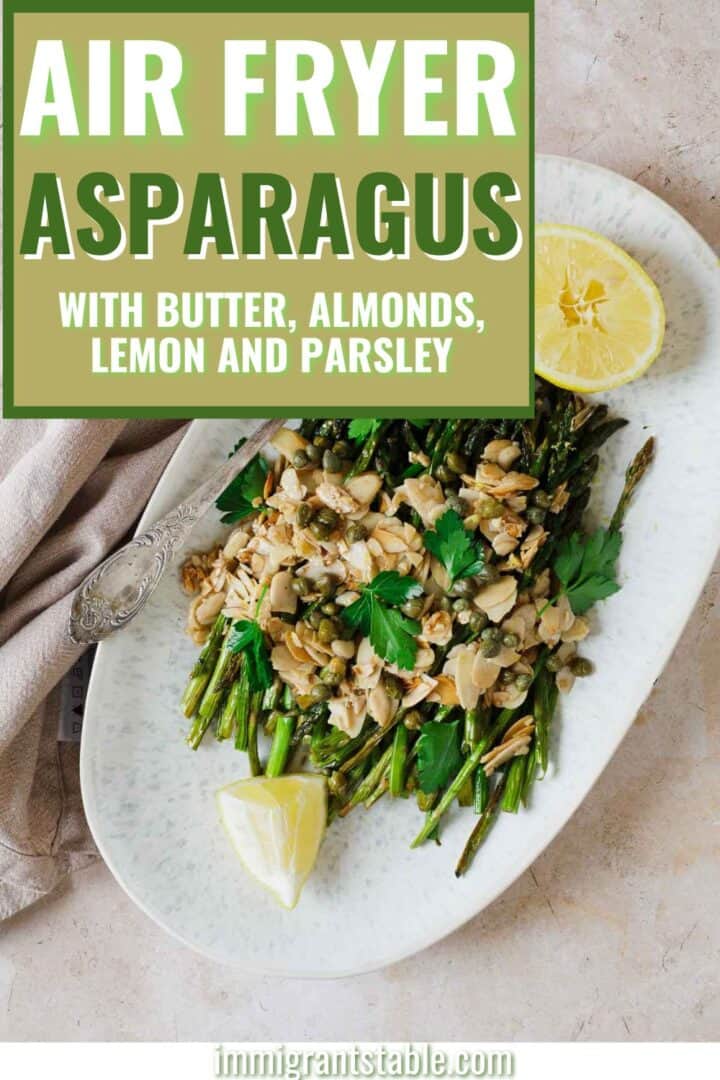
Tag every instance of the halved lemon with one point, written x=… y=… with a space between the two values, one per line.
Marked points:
x=599 y=318
x=275 y=826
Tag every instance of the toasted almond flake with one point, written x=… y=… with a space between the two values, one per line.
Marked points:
x=497 y=599
x=445 y=691
x=209 y=608
x=381 y=706
x=344 y=649
x=484 y=673
x=559 y=499
x=467 y=690
x=437 y=628
x=288 y=442
x=348 y=713
x=565 y=680
x=419 y=689
x=336 y=497
x=234 y=544
x=500 y=754
x=282 y=596
x=532 y=544
x=364 y=487
x=425 y=496
x=578 y=631
x=495 y=448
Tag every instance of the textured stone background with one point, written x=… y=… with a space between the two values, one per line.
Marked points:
x=613 y=934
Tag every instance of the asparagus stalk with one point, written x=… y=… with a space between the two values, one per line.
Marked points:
x=242 y=709
x=226 y=723
x=280 y=746
x=634 y=474
x=252 y=748
x=203 y=669
x=365 y=789
x=398 y=761
x=515 y=779
x=480 y=830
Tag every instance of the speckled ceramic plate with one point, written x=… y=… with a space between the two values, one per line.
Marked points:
x=371 y=900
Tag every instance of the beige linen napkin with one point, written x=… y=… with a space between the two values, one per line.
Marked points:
x=69 y=492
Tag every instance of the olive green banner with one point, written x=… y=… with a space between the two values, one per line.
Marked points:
x=235 y=212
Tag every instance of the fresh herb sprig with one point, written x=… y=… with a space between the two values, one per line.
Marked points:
x=391 y=634
x=451 y=543
x=247 y=638
x=585 y=568
x=243 y=495
x=438 y=754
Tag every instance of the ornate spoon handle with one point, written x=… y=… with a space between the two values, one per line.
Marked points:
x=115 y=591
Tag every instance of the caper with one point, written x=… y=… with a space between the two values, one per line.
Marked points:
x=300 y=459
x=327 y=631
x=342 y=449
x=334 y=672
x=492 y=633
x=454 y=502
x=554 y=663
x=489 y=648
x=393 y=687
x=327 y=516
x=314 y=619
x=511 y=640
x=461 y=604
x=325 y=585
x=581 y=667
x=305 y=514
x=320 y=692
x=507 y=676
x=523 y=681
x=488 y=575
x=355 y=532
x=477 y=621
x=300 y=586
x=413 y=607
x=445 y=475
x=456 y=462
x=445 y=603
x=320 y=530
x=413 y=720
x=321 y=441
x=331 y=462
x=541 y=498
x=337 y=784
x=314 y=453
x=535 y=515
x=487 y=507
x=464 y=587
x=330 y=609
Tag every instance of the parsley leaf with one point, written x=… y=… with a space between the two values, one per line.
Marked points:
x=392 y=634
x=362 y=427
x=238 y=499
x=438 y=754
x=452 y=544
x=247 y=637
x=585 y=567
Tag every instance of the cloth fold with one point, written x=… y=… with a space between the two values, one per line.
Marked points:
x=70 y=491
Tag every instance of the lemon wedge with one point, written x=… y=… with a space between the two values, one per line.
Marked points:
x=275 y=826
x=599 y=318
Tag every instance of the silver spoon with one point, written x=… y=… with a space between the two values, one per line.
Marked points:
x=118 y=589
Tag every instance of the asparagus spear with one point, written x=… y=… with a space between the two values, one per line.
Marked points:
x=280 y=746
x=480 y=830
x=634 y=474
x=398 y=761
x=203 y=669
x=242 y=710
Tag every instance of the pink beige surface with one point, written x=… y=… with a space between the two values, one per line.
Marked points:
x=613 y=933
